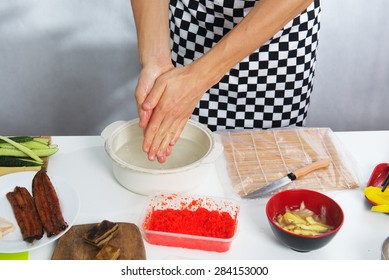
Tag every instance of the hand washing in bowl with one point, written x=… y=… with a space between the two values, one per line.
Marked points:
x=186 y=168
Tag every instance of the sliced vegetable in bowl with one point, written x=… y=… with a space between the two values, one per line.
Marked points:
x=303 y=221
x=324 y=211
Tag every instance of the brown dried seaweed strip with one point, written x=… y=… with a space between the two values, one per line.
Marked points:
x=47 y=204
x=26 y=214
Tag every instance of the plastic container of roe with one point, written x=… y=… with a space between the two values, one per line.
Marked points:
x=193 y=221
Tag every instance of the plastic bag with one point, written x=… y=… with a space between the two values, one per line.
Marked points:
x=254 y=158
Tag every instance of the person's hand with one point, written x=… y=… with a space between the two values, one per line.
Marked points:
x=146 y=81
x=167 y=107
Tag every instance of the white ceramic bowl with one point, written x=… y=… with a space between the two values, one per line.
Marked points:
x=185 y=169
x=385 y=250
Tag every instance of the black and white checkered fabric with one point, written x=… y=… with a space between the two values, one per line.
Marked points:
x=269 y=88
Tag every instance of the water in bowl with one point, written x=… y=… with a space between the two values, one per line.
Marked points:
x=185 y=152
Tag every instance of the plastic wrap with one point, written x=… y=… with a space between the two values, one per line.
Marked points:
x=254 y=158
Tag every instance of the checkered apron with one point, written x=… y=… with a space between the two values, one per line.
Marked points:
x=269 y=88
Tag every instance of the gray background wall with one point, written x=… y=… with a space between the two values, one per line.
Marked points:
x=351 y=89
x=69 y=67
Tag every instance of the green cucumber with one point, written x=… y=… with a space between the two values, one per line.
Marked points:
x=39 y=153
x=8 y=161
x=18 y=139
x=42 y=140
x=22 y=148
x=33 y=144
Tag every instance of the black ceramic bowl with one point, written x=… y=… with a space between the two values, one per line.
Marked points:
x=313 y=201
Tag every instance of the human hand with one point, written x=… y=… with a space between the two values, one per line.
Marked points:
x=146 y=81
x=170 y=102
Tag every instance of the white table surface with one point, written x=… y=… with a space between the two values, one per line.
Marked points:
x=82 y=161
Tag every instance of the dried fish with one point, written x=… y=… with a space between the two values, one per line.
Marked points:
x=47 y=204
x=26 y=214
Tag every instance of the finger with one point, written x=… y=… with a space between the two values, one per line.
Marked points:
x=161 y=159
x=170 y=139
x=164 y=148
x=152 y=99
x=179 y=130
x=152 y=132
x=141 y=92
x=168 y=150
x=160 y=134
x=144 y=118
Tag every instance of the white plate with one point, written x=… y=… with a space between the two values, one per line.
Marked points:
x=68 y=198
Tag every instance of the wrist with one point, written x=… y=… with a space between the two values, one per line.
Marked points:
x=207 y=71
x=154 y=54
x=157 y=62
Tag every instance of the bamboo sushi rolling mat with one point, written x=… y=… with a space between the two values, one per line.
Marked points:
x=255 y=158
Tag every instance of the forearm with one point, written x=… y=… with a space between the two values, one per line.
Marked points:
x=152 y=26
x=265 y=19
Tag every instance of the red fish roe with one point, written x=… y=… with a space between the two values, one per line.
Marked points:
x=200 y=222
x=192 y=222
